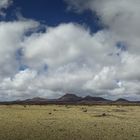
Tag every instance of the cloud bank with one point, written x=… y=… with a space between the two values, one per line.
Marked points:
x=69 y=58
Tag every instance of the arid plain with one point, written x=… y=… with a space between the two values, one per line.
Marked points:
x=69 y=122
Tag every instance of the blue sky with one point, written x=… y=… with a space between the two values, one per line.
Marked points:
x=52 y=47
x=52 y=13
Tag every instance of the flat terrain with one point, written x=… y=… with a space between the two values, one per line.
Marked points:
x=55 y=122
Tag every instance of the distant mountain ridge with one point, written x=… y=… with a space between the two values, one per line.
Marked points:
x=121 y=100
x=72 y=99
x=90 y=98
x=36 y=99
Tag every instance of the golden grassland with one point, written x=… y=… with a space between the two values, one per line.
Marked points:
x=55 y=122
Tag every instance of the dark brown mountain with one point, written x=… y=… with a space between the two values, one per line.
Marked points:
x=122 y=100
x=69 y=98
x=98 y=99
x=36 y=99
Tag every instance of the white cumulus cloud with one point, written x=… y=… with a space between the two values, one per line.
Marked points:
x=69 y=58
x=3 y=5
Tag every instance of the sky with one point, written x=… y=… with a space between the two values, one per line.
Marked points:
x=52 y=47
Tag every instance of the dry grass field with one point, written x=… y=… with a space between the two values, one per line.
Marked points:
x=54 y=122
